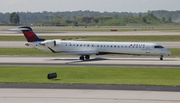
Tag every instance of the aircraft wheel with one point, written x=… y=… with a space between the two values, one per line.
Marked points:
x=81 y=57
x=87 y=57
x=161 y=57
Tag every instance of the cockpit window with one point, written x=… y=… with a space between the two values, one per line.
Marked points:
x=158 y=46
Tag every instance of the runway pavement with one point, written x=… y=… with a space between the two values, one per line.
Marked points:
x=94 y=61
x=13 y=44
x=86 y=96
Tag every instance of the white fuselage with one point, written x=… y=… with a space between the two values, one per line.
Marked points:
x=90 y=47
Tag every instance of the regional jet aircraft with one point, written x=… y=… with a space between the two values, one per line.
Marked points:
x=87 y=48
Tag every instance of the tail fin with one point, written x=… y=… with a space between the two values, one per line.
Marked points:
x=29 y=34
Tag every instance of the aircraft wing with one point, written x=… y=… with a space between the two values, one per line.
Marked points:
x=80 y=52
x=76 y=52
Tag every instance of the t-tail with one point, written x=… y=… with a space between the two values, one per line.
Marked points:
x=29 y=34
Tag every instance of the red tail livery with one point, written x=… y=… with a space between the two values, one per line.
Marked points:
x=29 y=34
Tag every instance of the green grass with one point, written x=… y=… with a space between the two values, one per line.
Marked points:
x=36 y=52
x=175 y=52
x=92 y=75
x=100 y=28
x=101 y=38
x=135 y=38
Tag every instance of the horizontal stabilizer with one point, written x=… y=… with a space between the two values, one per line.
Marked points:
x=19 y=29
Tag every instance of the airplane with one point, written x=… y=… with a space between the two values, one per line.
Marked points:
x=87 y=48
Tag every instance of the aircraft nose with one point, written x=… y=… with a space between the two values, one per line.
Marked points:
x=167 y=52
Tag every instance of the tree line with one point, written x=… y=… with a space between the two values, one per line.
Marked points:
x=89 y=18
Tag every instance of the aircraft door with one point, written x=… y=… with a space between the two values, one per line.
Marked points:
x=147 y=50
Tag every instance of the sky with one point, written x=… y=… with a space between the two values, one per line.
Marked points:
x=134 y=6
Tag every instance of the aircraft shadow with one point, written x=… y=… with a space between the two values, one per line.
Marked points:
x=77 y=60
x=118 y=59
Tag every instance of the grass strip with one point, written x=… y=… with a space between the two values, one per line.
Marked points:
x=101 y=38
x=92 y=75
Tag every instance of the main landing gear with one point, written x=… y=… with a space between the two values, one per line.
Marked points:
x=161 y=57
x=82 y=57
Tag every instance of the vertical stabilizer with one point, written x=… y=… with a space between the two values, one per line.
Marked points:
x=29 y=34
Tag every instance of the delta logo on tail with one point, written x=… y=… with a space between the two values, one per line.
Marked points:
x=29 y=34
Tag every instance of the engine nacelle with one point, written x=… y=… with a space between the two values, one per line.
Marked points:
x=48 y=43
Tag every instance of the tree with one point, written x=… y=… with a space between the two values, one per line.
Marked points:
x=116 y=16
x=11 y=17
x=163 y=19
x=150 y=14
x=140 y=15
x=169 y=19
x=144 y=19
x=14 y=18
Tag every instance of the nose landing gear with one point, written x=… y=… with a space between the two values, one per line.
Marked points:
x=161 y=57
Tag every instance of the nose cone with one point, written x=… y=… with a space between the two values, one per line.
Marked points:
x=170 y=53
x=167 y=52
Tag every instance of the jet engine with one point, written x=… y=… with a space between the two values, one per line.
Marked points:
x=48 y=43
